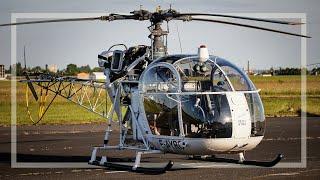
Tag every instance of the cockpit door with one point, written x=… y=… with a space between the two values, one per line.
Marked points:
x=241 y=120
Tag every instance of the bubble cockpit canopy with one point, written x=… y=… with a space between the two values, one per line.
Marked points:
x=181 y=93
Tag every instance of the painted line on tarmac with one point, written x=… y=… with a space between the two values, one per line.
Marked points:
x=286 y=173
x=112 y=172
x=206 y=165
x=57 y=172
x=289 y=139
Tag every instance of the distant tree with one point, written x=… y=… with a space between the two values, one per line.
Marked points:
x=315 y=71
x=36 y=69
x=288 y=71
x=60 y=73
x=17 y=69
x=72 y=69
x=46 y=68
x=85 y=69
x=8 y=71
x=97 y=69
x=272 y=71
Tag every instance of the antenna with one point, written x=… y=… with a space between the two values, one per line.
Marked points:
x=24 y=58
x=179 y=38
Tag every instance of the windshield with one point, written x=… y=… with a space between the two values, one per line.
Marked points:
x=236 y=76
x=190 y=98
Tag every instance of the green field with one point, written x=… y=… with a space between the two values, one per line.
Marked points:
x=61 y=110
x=280 y=94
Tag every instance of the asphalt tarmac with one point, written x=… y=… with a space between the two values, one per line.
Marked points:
x=72 y=145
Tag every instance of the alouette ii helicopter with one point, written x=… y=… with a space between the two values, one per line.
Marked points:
x=192 y=104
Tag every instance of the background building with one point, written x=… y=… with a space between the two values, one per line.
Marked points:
x=97 y=76
x=83 y=75
x=2 y=72
x=53 y=68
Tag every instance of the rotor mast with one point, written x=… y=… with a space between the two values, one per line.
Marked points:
x=157 y=35
x=158 y=40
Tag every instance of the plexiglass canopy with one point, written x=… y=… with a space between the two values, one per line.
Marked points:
x=183 y=97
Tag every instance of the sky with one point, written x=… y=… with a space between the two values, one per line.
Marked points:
x=81 y=42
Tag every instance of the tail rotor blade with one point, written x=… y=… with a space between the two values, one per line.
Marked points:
x=31 y=87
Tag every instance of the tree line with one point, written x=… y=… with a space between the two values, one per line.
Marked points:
x=73 y=69
x=70 y=70
x=293 y=71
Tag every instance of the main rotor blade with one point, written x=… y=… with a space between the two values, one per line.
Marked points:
x=53 y=20
x=242 y=25
x=103 y=18
x=241 y=17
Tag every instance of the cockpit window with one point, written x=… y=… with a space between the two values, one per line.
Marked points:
x=161 y=109
x=219 y=80
x=204 y=115
x=201 y=77
x=207 y=116
x=160 y=79
x=236 y=76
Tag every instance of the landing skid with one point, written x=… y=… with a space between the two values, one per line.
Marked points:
x=124 y=167
x=242 y=161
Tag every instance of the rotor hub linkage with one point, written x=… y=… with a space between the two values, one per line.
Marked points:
x=159 y=47
x=142 y=15
x=156 y=17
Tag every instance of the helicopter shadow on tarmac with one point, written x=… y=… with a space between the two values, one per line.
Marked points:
x=33 y=158
x=5 y=158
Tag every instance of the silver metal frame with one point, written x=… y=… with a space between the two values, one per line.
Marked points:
x=145 y=149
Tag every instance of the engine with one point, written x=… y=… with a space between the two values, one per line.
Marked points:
x=130 y=61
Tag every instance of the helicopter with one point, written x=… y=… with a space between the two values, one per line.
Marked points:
x=198 y=105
